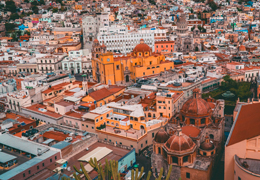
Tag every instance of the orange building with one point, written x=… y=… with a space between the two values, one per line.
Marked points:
x=140 y=63
x=242 y=155
x=164 y=46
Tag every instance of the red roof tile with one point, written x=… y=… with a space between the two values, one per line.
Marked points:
x=246 y=125
x=101 y=94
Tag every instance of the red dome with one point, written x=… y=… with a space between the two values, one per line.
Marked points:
x=178 y=143
x=195 y=107
x=161 y=136
x=142 y=48
x=95 y=40
x=207 y=146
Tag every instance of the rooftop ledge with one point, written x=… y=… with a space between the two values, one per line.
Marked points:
x=249 y=166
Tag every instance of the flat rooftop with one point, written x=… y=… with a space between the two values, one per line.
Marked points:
x=131 y=133
x=201 y=163
x=19 y=157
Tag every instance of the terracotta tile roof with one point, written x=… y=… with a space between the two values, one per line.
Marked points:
x=115 y=88
x=246 y=125
x=100 y=94
x=58 y=136
x=191 y=131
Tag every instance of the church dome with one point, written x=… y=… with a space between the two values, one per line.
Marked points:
x=196 y=106
x=207 y=146
x=142 y=47
x=179 y=142
x=161 y=136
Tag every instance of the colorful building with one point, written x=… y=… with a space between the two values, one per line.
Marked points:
x=164 y=46
x=139 y=64
x=242 y=146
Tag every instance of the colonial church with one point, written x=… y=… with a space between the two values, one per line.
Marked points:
x=185 y=41
x=192 y=142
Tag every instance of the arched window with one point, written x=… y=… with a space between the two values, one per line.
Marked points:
x=149 y=114
x=159 y=150
x=211 y=136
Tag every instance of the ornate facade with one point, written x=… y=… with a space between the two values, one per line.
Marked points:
x=192 y=144
x=186 y=42
x=126 y=69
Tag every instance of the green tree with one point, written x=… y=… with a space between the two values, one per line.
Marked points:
x=34 y=3
x=14 y=16
x=10 y=6
x=213 y=5
x=35 y=9
x=63 y=8
x=9 y=26
x=27 y=32
x=54 y=10
x=42 y=2
x=110 y=172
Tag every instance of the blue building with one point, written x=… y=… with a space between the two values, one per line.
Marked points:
x=22 y=27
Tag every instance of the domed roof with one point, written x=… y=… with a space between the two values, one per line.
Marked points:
x=141 y=48
x=179 y=142
x=161 y=136
x=242 y=48
x=207 y=145
x=95 y=40
x=191 y=131
x=196 y=106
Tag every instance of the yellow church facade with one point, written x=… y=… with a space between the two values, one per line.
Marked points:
x=140 y=63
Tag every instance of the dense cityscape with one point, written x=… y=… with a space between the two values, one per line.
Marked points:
x=129 y=90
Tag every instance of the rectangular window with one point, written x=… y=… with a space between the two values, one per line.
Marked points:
x=117 y=67
x=42 y=164
x=50 y=160
x=153 y=135
x=188 y=175
x=37 y=167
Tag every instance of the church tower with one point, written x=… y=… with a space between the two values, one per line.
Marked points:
x=96 y=49
x=196 y=39
x=182 y=25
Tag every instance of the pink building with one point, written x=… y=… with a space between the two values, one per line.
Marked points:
x=234 y=66
x=242 y=149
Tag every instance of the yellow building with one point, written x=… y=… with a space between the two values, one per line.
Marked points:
x=140 y=63
x=78 y=7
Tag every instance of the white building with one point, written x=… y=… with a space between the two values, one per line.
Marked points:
x=91 y=24
x=123 y=41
